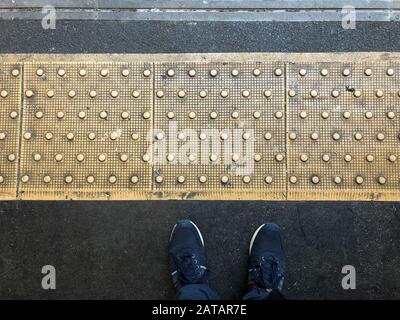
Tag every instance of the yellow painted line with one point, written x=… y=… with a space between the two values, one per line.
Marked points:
x=210 y=126
x=10 y=106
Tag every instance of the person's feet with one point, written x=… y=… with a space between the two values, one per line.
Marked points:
x=267 y=258
x=187 y=255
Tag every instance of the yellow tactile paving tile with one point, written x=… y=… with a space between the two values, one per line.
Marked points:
x=84 y=131
x=343 y=131
x=226 y=106
x=210 y=126
x=10 y=104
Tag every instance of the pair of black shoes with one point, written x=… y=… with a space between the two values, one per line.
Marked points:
x=266 y=264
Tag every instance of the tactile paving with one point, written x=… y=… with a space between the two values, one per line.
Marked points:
x=343 y=130
x=214 y=118
x=84 y=131
x=210 y=126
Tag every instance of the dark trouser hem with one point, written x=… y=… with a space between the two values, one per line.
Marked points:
x=204 y=292
x=262 y=294
x=197 y=292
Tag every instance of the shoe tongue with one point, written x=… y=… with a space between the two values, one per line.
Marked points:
x=269 y=272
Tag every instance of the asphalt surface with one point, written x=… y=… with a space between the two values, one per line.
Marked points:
x=119 y=249
x=153 y=36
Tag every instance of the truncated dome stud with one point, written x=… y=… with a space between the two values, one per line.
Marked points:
x=134 y=179
x=324 y=72
x=13 y=114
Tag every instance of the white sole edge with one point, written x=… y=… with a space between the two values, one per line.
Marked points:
x=254 y=237
x=198 y=231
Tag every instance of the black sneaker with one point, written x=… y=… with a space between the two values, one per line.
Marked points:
x=187 y=255
x=267 y=258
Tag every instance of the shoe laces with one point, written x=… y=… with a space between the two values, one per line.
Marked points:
x=267 y=274
x=189 y=268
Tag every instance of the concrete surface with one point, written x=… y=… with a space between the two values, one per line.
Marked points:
x=119 y=249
